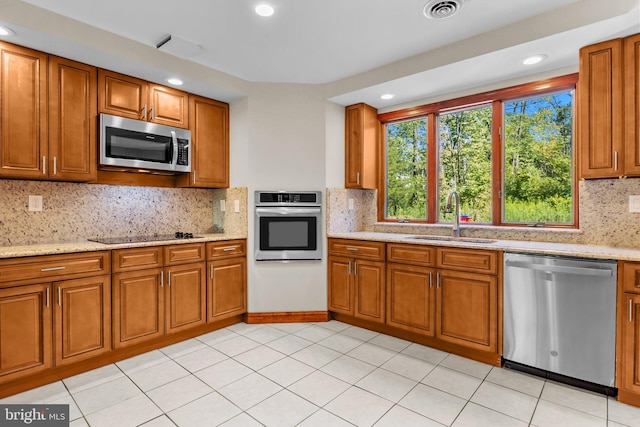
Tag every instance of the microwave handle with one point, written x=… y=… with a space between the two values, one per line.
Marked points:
x=174 y=143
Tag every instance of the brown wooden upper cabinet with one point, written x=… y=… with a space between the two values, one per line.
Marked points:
x=609 y=144
x=52 y=135
x=209 y=124
x=361 y=146
x=133 y=98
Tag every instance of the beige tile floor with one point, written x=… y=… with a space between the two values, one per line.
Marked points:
x=318 y=374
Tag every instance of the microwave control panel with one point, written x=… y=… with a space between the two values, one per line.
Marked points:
x=183 y=152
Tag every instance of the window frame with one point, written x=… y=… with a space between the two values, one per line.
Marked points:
x=495 y=98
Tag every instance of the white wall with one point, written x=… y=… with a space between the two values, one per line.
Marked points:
x=284 y=149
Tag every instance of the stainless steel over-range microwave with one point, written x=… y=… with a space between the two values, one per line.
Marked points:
x=143 y=145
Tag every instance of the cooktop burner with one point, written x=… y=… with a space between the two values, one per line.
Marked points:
x=136 y=239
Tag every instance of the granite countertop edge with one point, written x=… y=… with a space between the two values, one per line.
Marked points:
x=87 y=246
x=546 y=248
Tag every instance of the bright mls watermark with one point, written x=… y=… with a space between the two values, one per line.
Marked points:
x=34 y=415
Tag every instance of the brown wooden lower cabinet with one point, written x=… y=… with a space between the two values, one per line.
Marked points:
x=227 y=288
x=411 y=298
x=25 y=330
x=467 y=309
x=185 y=297
x=82 y=318
x=629 y=367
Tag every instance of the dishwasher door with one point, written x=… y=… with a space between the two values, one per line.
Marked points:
x=560 y=315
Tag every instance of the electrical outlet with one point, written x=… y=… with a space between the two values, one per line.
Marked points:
x=634 y=203
x=350 y=204
x=222 y=205
x=236 y=205
x=35 y=203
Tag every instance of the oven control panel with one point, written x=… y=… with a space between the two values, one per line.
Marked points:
x=283 y=197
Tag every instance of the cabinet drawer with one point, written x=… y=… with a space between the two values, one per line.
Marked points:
x=357 y=249
x=182 y=254
x=631 y=277
x=56 y=267
x=137 y=258
x=468 y=260
x=226 y=249
x=411 y=254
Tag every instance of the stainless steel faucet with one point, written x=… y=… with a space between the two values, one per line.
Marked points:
x=455 y=231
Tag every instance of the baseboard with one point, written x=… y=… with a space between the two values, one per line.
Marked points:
x=287 y=317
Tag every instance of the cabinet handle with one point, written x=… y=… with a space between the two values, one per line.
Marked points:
x=352 y=249
x=53 y=268
x=47 y=297
x=430 y=279
x=233 y=248
x=55 y=166
x=162 y=279
x=169 y=279
x=59 y=297
x=144 y=112
x=358 y=178
x=211 y=271
x=437 y=280
x=194 y=176
x=44 y=165
x=151 y=113
x=615 y=160
x=355 y=268
x=630 y=310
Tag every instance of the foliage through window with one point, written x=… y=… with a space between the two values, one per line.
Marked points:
x=509 y=156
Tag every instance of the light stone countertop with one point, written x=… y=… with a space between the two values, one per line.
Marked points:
x=87 y=246
x=567 y=249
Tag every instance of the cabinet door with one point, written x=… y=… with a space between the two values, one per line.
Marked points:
x=411 y=298
x=25 y=330
x=632 y=104
x=600 y=110
x=340 y=285
x=122 y=95
x=629 y=375
x=82 y=318
x=138 y=306
x=369 y=288
x=361 y=146
x=72 y=120
x=227 y=288
x=209 y=125
x=23 y=103
x=169 y=106
x=185 y=297
x=466 y=309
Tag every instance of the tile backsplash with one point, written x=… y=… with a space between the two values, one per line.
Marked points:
x=75 y=212
x=604 y=217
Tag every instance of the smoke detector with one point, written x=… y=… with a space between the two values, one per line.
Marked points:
x=441 y=9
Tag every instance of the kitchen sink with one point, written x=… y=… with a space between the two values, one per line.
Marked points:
x=455 y=239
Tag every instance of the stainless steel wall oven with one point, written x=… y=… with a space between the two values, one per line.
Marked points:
x=288 y=225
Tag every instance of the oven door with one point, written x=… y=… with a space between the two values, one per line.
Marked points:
x=288 y=233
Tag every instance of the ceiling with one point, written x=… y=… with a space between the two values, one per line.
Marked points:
x=355 y=49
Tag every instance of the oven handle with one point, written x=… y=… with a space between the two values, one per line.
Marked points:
x=174 y=144
x=264 y=211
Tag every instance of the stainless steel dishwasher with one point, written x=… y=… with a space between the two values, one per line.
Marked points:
x=560 y=318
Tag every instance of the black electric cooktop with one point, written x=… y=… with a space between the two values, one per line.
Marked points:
x=137 y=239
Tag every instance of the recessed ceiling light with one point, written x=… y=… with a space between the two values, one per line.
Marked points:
x=387 y=96
x=175 y=81
x=4 y=31
x=264 y=9
x=534 y=59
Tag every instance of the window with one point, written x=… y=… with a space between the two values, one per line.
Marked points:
x=507 y=153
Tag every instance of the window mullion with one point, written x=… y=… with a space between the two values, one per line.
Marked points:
x=497 y=138
x=432 y=168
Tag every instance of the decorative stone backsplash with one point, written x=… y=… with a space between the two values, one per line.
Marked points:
x=74 y=212
x=604 y=217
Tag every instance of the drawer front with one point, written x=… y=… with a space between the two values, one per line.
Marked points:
x=137 y=258
x=631 y=277
x=226 y=249
x=357 y=249
x=182 y=254
x=467 y=260
x=55 y=266
x=411 y=254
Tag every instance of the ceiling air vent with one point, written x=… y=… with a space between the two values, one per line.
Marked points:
x=441 y=9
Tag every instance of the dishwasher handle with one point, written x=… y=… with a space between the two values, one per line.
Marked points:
x=583 y=271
